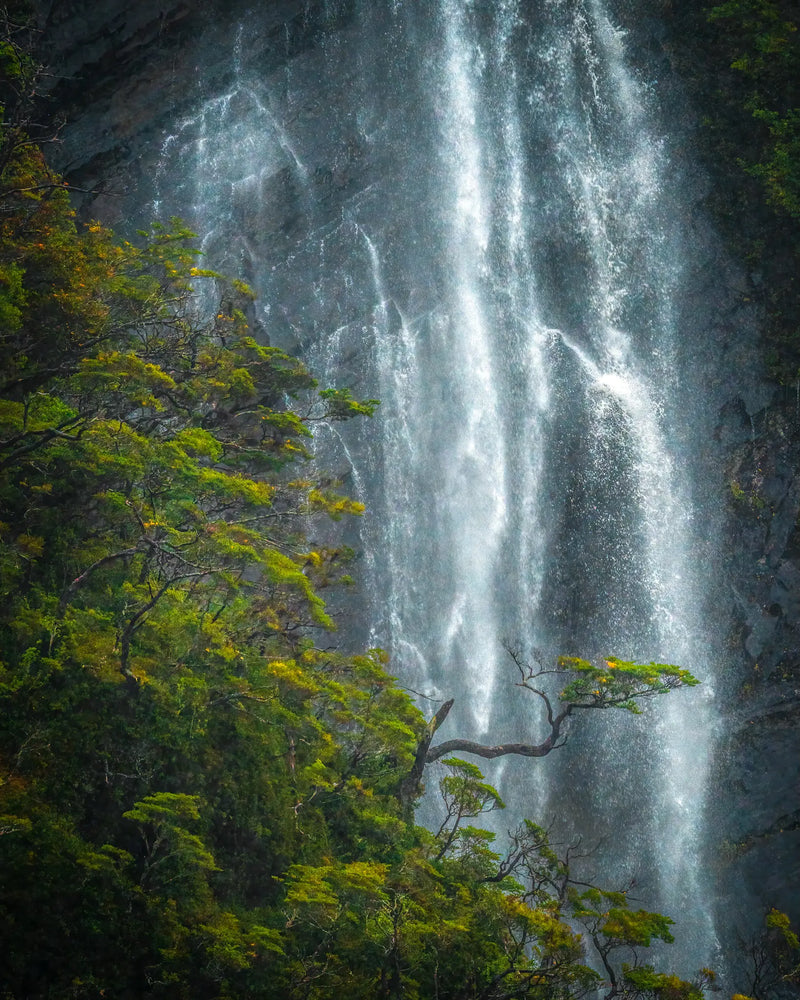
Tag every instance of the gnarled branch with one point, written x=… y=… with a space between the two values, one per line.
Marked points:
x=501 y=749
x=410 y=784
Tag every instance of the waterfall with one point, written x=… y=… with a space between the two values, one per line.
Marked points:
x=474 y=214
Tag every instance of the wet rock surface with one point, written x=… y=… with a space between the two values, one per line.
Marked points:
x=758 y=763
x=124 y=73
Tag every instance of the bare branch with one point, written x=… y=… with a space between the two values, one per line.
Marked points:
x=410 y=785
x=79 y=580
x=502 y=749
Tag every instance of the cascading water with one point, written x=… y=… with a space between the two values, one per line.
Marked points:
x=485 y=230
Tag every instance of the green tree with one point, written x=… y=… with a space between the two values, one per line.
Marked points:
x=614 y=683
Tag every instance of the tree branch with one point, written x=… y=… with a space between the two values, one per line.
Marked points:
x=79 y=580
x=502 y=749
x=41 y=438
x=410 y=784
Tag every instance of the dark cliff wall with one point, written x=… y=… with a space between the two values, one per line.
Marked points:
x=119 y=70
x=757 y=814
x=758 y=766
x=124 y=72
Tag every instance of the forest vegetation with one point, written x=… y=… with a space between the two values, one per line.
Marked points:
x=744 y=57
x=201 y=794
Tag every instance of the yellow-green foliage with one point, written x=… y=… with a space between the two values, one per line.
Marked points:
x=618 y=683
x=767 y=54
x=781 y=922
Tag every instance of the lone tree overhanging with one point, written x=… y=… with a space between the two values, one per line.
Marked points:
x=614 y=683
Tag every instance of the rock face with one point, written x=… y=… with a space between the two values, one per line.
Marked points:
x=119 y=70
x=126 y=73
x=759 y=761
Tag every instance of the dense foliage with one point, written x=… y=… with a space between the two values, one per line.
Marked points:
x=200 y=796
x=761 y=35
x=750 y=51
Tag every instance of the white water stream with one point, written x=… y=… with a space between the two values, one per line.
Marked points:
x=482 y=230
